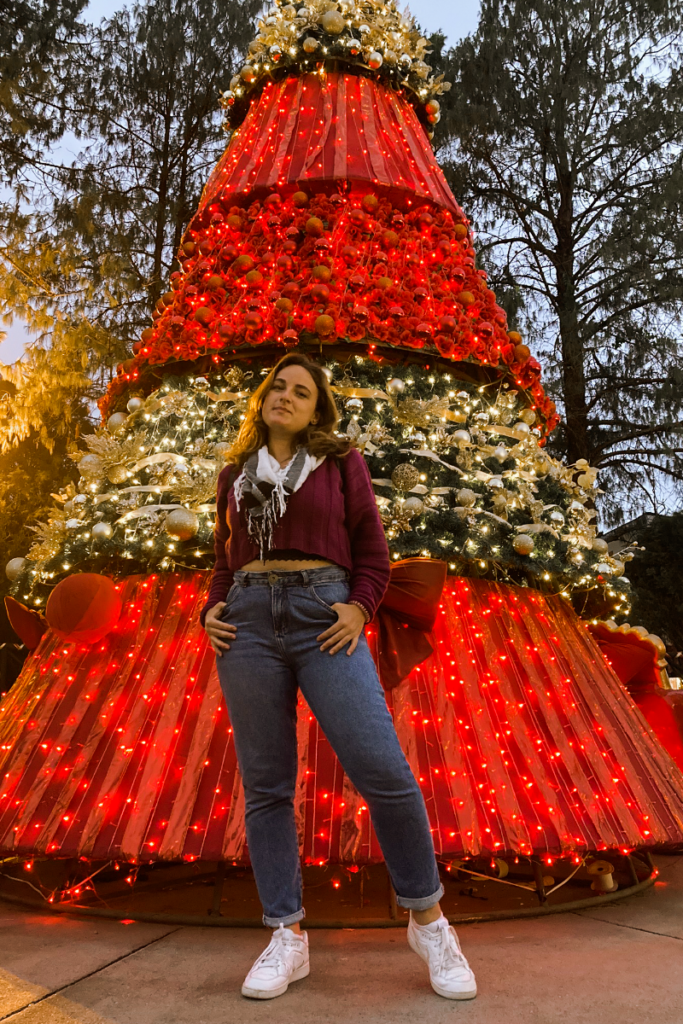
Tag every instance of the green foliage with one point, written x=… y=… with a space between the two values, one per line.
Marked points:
x=29 y=475
x=562 y=136
x=656 y=574
x=36 y=42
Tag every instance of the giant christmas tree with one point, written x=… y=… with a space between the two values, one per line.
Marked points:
x=328 y=227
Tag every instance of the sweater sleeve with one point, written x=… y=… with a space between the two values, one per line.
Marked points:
x=221 y=579
x=369 y=550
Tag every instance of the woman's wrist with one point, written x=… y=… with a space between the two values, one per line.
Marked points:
x=364 y=610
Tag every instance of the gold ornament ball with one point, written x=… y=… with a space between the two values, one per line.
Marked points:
x=310 y=44
x=248 y=74
x=461 y=437
x=523 y=544
x=396 y=386
x=116 y=422
x=375 y=60
x=433 y=107
x=412 y=507
x=600 y=546
x=181 y=524
x=405 y=476
x=134 y=404
x=466 y=497
x=101 y=531
x=333 y=22
x=528 y=416
x=14 y=568
x=117 y=475
x=522 y=428
x=500 y=453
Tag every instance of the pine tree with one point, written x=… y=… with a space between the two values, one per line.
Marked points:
x=36 y=42
x=563 y=136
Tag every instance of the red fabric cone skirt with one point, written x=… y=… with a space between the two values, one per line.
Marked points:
x=521 y=736
x=320 y=128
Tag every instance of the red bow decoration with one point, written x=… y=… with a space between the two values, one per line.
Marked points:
x=406 y=617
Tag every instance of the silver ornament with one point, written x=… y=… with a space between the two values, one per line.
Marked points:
x=396 y=386
x=418 y=437
x=557 y=518
x=523 y=544
x=461 y=437
x=375 y=60
x=90 y=465
x=101 y=531
x=80 y=499
x=14 y=568
x=72 y=524
x=521 y=427
x=134 y=404
x=116 y=422
x=496 y=482
x=221 y=449
x=500 y=453
x=181 y=524
x=463 y=396
x=604 y=569
x=353 y=46
x=354 y=405
x=405 y=476
x=412 y=507
x=481 y=417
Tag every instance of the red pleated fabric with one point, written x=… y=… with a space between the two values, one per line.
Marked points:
x=522 y=738
x=331 y=127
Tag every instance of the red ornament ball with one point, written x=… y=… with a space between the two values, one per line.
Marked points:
x=84 y=607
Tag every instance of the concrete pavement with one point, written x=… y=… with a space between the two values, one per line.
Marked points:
x=617 y=964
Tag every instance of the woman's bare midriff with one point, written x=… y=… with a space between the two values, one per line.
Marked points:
x=288 y=565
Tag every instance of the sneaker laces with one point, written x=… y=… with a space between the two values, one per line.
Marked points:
x=450 y=955
x=274 y=955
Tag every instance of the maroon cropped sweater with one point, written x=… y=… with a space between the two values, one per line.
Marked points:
x=332 y=516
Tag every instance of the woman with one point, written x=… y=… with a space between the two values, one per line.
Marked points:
x=301 y=566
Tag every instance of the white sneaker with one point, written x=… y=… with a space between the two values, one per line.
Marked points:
x=449 y=972
x=284 y=959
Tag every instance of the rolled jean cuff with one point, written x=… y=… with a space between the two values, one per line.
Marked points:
x=273 y=922
x=422 y=904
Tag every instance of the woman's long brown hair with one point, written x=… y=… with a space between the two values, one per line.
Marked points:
x=319 y=438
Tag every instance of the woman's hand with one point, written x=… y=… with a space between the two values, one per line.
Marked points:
x=217 y=631
x=346 y=630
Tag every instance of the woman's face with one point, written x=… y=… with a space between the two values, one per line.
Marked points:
x=289 y=406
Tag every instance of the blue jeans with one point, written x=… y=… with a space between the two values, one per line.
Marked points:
x=278 y=616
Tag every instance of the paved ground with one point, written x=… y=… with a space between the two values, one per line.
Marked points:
x=617 y=964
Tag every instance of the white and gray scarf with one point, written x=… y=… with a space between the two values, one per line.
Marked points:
x=265 y=486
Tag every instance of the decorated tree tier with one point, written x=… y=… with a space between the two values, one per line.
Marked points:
x=329 y=228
